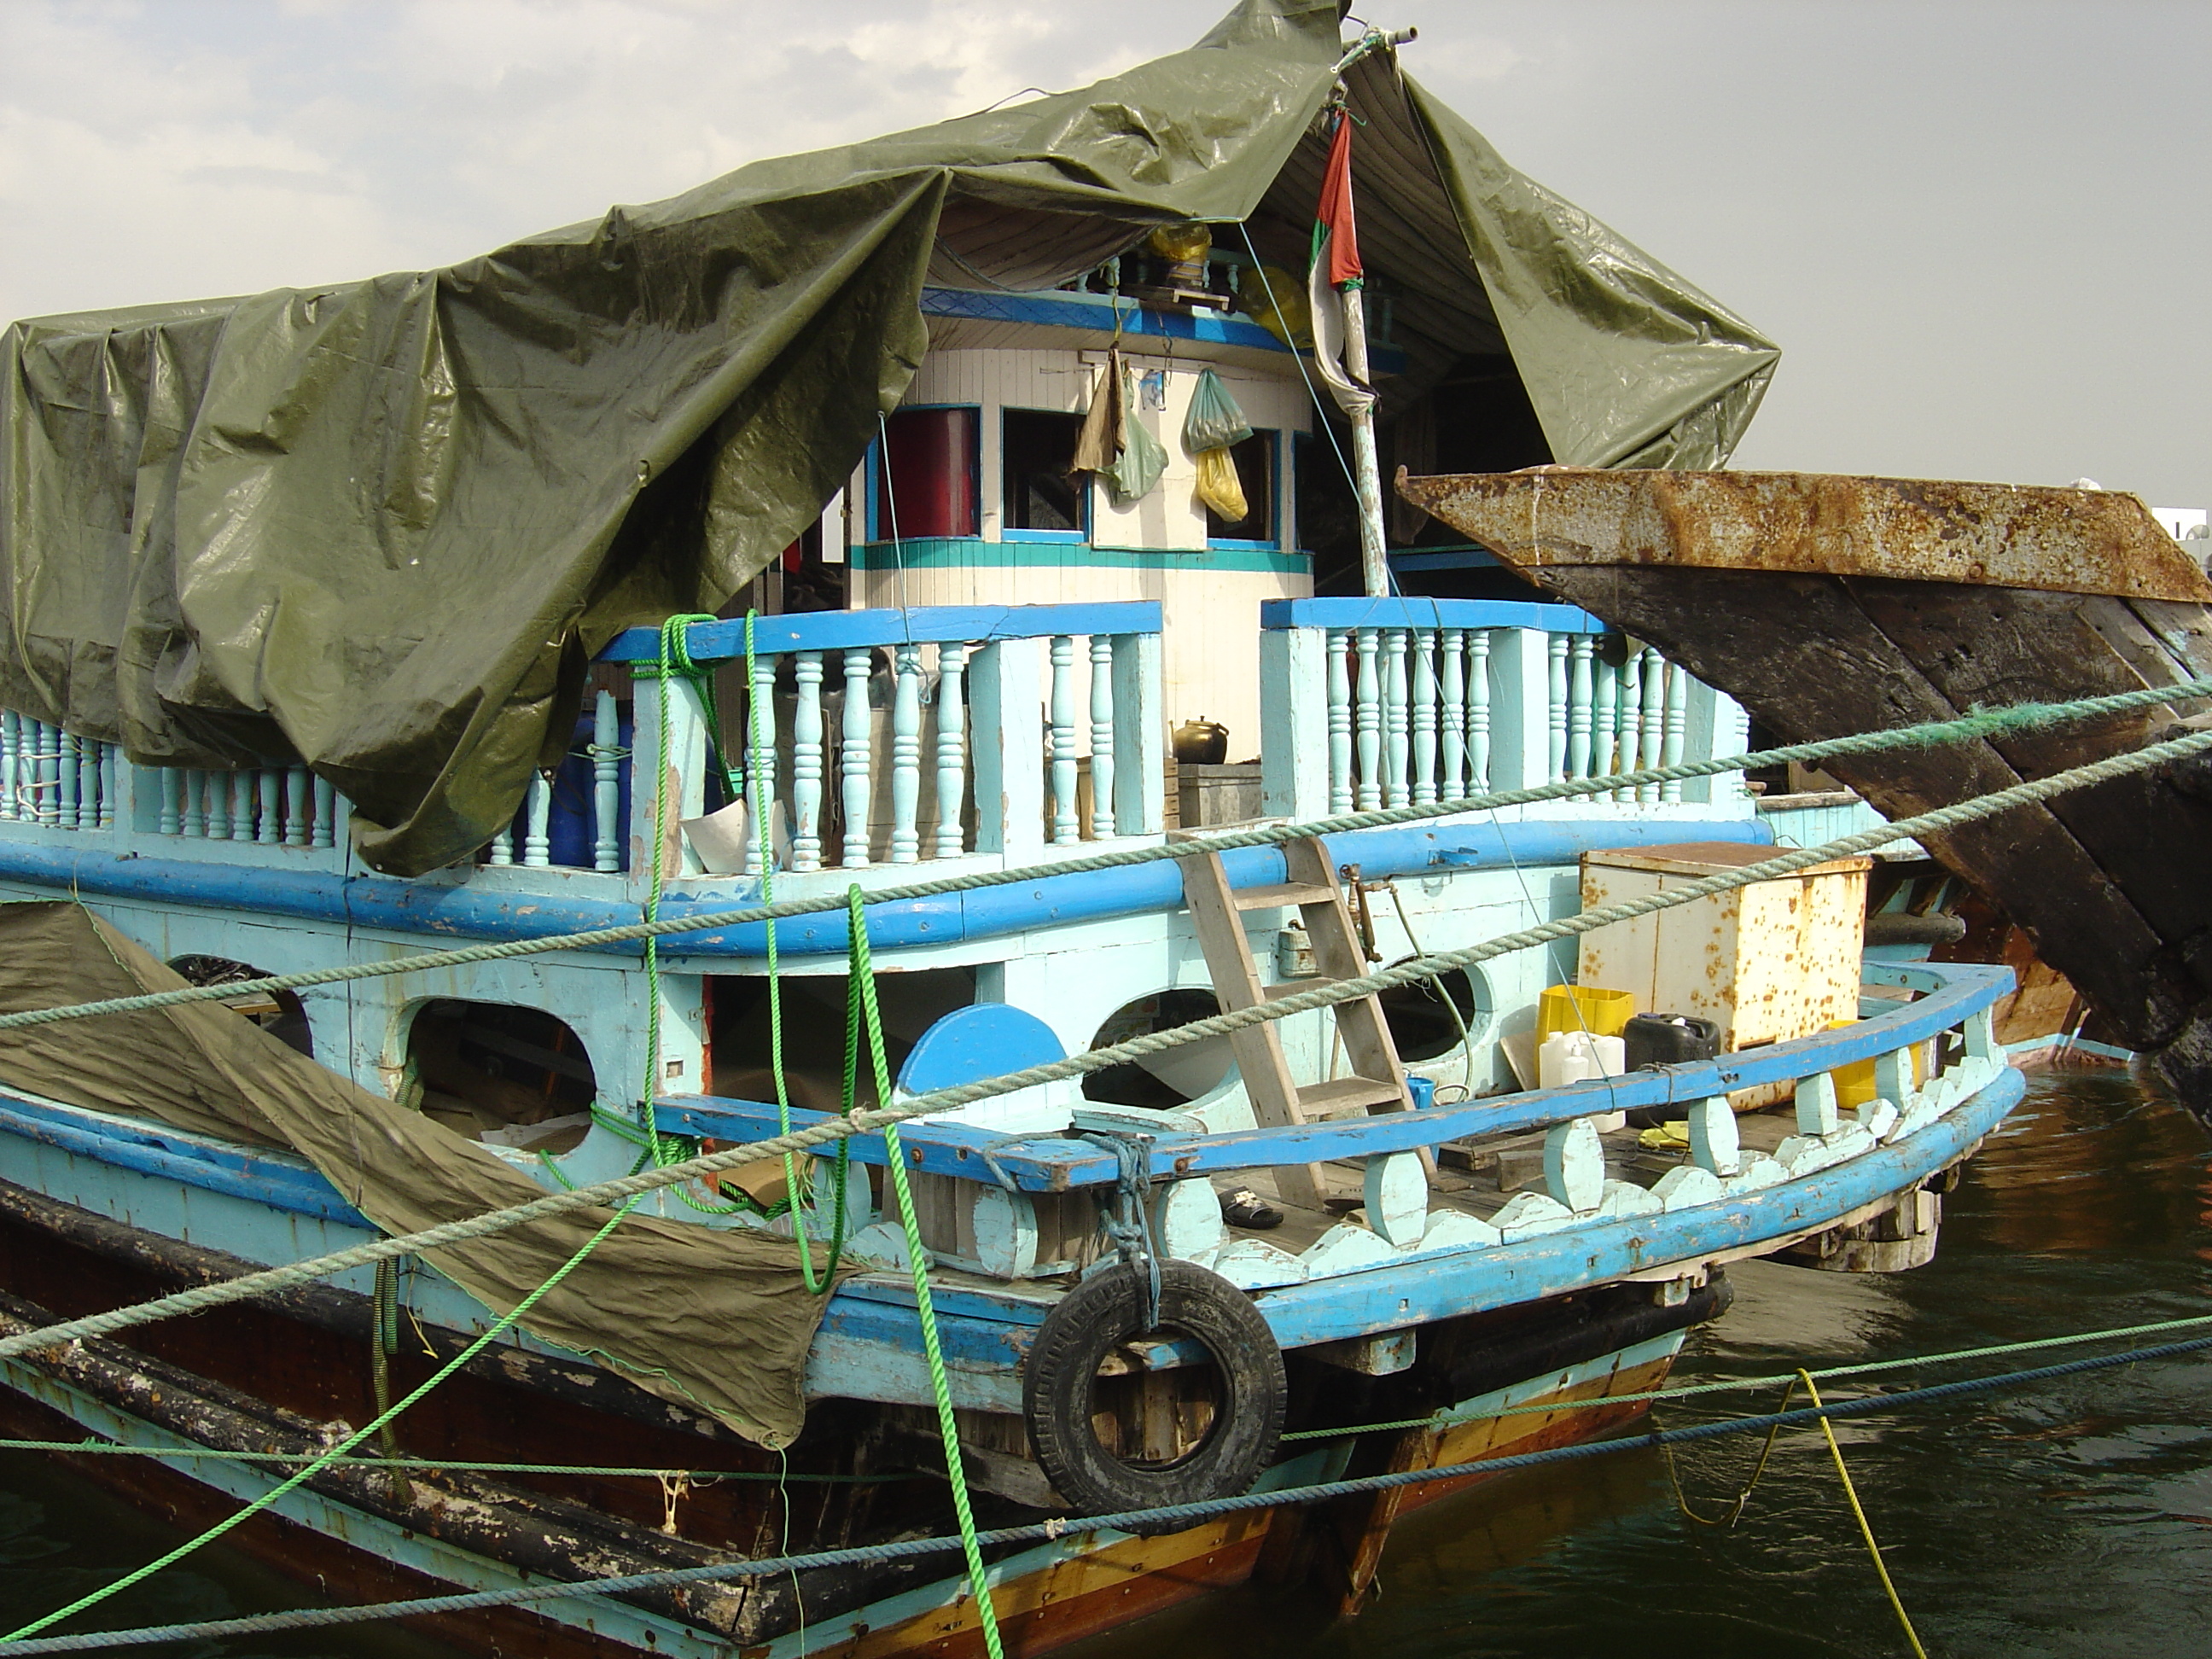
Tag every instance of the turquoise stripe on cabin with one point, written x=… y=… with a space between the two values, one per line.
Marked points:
x=973 y=553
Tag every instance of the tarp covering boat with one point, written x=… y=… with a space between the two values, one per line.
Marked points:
x=719 y=1320
x=379 y=528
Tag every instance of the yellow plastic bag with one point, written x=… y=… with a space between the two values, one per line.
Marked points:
x=1220 y=487
x=1275 y=299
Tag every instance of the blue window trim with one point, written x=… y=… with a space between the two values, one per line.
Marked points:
x=1273 y=543
x=1075 y=537
x=880 y=530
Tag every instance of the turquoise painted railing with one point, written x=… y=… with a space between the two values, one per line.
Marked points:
x=1391 y=702
x=901 y=737
x=53 y=777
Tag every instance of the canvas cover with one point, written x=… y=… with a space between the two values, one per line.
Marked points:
x=380 y=528
x=718 y=1321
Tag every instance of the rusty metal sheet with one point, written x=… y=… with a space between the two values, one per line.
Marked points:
x=2066 y=541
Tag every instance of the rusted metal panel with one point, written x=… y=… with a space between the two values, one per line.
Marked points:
x=2067 y=541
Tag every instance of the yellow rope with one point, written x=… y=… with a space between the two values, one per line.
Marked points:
x=1881 y=1569
x=1734 y=1513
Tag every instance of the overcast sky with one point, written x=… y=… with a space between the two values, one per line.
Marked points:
x=1981 y=232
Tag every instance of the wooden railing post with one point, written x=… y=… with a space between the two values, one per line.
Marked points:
x=1305 y=723
x=1139 y=736
x=1006 y=689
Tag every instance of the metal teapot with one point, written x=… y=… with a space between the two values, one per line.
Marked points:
x=1201 y=742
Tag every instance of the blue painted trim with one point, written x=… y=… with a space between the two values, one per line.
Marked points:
x=460 y=911
x=279 y=1180
x=1041 y=537
x=852 y=630
x=1095 y=313
x=1138 y=890
x=1052 y=1163
x=1428 y=613
x=1389 y=1297
x=1444 y=558
x=970 y=553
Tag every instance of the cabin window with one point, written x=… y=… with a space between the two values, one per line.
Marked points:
x=1041 y=499
x=1174 y=1077
x=280 y=1013
x=924 y=475
x=1420 y=1015
x=1256 y=461
x=506 y=1075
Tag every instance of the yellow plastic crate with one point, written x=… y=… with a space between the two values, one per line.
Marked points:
x=1581 y=1008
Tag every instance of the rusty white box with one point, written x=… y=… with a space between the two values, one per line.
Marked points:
x=1768 y=962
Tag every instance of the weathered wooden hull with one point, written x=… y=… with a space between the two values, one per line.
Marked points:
x=1832 y=605
x=273 y=1375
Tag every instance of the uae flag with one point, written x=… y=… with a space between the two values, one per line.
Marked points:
x=1335 y=264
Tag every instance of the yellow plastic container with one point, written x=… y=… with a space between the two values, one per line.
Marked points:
x=1855 y=1082
x=1581 y=1008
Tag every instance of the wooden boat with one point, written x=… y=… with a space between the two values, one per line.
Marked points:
x=1828 y=605
x=966 y=664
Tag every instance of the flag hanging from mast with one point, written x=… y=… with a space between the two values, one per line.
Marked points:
x=1335 y=267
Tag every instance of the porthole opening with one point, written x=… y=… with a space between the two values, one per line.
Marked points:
x=1420 y=1015
x=741 y=1058
x=504 y=1075
x=1172 y=1078
x=280 y=1013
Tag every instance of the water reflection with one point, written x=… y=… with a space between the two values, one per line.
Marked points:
x=2074 y=1519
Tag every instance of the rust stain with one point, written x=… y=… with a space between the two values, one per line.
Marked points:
x=2066 y=541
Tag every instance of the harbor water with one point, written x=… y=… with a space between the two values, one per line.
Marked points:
x=2071 y=1518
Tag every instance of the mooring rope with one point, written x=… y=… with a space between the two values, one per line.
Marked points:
x=641 y=1181
x=1982 y=724
x=299 y=1477
x=1041 y=1531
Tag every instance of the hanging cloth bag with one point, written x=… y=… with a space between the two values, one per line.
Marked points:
x=1099 y=443
x=1143 y=456
x=1213 y=427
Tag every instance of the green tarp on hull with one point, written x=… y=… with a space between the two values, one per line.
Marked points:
x=381 y=528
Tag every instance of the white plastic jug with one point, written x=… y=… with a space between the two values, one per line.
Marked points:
x=1577 y=1056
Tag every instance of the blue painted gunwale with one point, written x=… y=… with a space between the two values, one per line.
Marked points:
x=1050 y=1163
x=852 y=630
x=1476 y=1278
x=985 y=1330
x=1414 y=612
x=452 y=910
x=283 y=1181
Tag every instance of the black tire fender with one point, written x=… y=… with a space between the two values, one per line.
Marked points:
x=1107 y=1310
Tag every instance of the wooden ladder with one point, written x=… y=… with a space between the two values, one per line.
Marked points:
x=1377 y=1082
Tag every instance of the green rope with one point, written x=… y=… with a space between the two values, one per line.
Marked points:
x=795 y=1182
x=492 y=1333
x=1453 y=1417
x=1974 y=727
x=862 y=974
x=941 y=1100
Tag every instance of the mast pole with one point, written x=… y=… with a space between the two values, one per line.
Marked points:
x=1367 y=477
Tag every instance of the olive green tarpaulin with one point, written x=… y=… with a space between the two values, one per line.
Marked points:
x=380 y=528
x=718 y=1321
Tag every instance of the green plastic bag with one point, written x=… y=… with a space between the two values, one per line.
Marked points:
x=1214 y=421
x=1143 y=456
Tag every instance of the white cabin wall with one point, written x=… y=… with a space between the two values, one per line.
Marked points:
x=1210 y=644
x=1211 y=647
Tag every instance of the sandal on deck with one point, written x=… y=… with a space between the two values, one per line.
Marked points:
x=1246 y=1208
